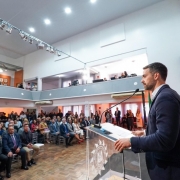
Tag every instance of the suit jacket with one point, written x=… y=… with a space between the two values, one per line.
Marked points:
x=118 y=114
x=24 y=141
x=162 y=140
x=70 y=127
x=62 y=129
x=54 y=128
x=7 y=143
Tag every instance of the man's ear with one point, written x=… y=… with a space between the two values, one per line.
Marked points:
x=156 y=76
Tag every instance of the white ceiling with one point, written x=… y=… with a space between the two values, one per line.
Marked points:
x=31 y=13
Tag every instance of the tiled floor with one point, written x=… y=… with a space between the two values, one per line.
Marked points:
x=55 y=163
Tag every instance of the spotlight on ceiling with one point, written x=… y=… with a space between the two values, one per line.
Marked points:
x=51 y=50
x=31 y=29
x=22 y=34
x=40 y=45
x=30 y=40
x=2 y=25
x=93 y=1
x=48 y=48
x=9 y=29
x=58 y=53
x=25 y=38
x=47 y=21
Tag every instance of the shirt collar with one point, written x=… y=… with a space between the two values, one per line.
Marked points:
x=156 y=91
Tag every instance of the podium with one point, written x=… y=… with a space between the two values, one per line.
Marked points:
x=103 y=162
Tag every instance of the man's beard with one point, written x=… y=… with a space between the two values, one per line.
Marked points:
x=149 y=87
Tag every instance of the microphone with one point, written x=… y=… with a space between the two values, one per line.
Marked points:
x=137 y=90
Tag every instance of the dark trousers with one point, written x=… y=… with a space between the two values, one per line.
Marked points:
x=130 y=123
x=21 y=153
x=161 y=170
x=117 y=121
x=68 y=138
x=4 y=161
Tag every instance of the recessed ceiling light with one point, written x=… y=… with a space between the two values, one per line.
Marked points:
x=68 y=10
x=22 y=94
x=47 y=21
x=50 y=94
x=31 y=29
x=93 y=1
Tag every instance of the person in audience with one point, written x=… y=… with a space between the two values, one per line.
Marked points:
x=130 y=120
x=60 y=114
x=7 y=123
x=12 y=115
x=19 y=124
x=97 y=118
x=67 y=115
x=11 y=144
x=76 y=115
x=105 y=79
x=21 y=86
x=26 y=139
x=125 y=74
x=88 y=120
x=83 y=125
x=34 y=126
x=22 y=116
x=139 y=119
x=54 y=129
x=43 y=128
x=92 y=120
x=20 y=131
x=71 y=130
x=3 y=160
x=1 y=131
x=77 y=128
x=117 y=116
x=58 y=122
x=82 y=114
x=3 y=127
x=108 y=116
x=28 y=86
x=65 y=132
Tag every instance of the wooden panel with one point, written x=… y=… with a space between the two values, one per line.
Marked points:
x=5 y=80
x=18 y=78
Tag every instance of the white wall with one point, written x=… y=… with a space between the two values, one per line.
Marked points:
x=9 y=73
x=154 y=29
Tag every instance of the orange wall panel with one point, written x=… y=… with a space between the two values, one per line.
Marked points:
x=18 y=78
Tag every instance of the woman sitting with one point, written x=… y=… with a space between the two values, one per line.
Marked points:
x=71 y=129
x=34 y=126
x=77 y=129
x=1 y=130
x=43 y=128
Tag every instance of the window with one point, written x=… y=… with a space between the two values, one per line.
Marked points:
x=66 y=109
x=114 y=109
x=77 y=109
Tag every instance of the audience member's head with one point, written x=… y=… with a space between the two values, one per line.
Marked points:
x=63 y=120
x=10 y=129
x=26 y=127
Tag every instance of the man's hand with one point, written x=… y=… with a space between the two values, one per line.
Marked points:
x=67 y=134
x=29 y=145
x=122 y=144
x=17 y=150
x=138 y=133
x=10 y=154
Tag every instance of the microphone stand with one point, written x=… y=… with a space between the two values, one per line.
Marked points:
x=114 y=106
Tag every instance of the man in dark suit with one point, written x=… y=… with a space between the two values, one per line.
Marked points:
x=26 y=139
x=54 y=129
x=3 y=160
x=11 y=144
x=162 y=140
x=118 y=116
x=65 y=132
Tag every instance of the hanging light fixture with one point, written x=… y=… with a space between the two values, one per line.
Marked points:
x=40 y=45
x=2 y=25
x=9 y=29
x=51 y=50
x=30 y=40
x=48 y=48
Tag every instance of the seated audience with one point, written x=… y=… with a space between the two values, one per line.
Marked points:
x=3 y=160
x=71 y=131
x=22 y=128
x=43 y=128
x=19 y=124
x=21 y=86
x=1 y=130
x=58 y=122
x=65 y=132
x=77 y=129
x=11 y=144
x=54 y=129
x=26 y=139
x=92 y=120
x=23 y=116
x=28 y=86
x=34 y=126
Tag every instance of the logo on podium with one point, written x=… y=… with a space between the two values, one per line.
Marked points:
x=99 y=157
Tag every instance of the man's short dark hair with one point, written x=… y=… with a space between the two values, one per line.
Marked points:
x=158 y=67
x=26 y=125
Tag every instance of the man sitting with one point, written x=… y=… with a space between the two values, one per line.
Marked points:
x=65 y=132
x=26 y=139
x=54 y=129
x=3 y=160
x=11 y=144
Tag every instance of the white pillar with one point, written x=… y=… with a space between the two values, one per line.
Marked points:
x=39 y=84
x=86 y=76
x=60 y=83
x=87 y=110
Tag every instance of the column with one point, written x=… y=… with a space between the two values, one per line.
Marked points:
x=86 y=76
x=60 y=83
x=87 y=109
x=39 y=84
